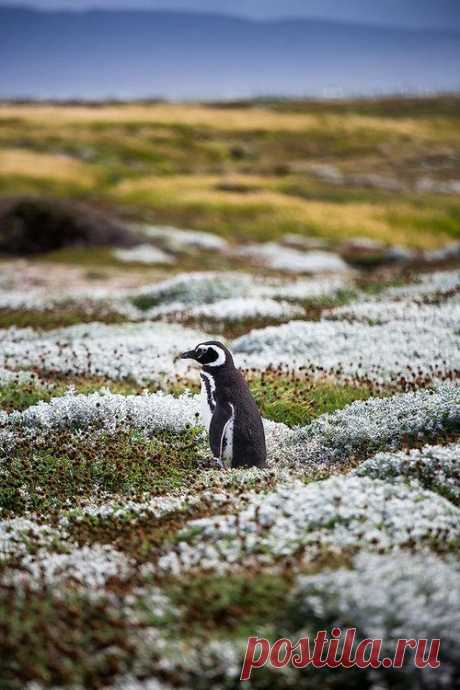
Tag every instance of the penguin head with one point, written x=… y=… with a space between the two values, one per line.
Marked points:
x=211 y=354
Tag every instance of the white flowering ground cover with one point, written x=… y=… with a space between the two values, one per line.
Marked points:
x=446 y=315
x=377 y=424
x=245 y=308
x=417 y=599
x=281 y=258
x=435 y=467
x=143 y=352
x=149 y=412
x=396 y=336
x=338 y=514
x=180 y=298
x=429 y=286
x=129 y=561
x=179 y=240
x=143 y=254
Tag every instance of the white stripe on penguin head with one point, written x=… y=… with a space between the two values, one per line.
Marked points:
x=221 y=356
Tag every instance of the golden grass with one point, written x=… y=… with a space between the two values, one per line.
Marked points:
x=335 y=220
x=29 y=164
x=232 y=170
x=238 y=120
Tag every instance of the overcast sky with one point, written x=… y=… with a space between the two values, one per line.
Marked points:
x=409 y=13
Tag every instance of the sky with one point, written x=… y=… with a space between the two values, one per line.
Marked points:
x=407 y=13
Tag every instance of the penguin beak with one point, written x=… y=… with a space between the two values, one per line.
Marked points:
x=191 y=354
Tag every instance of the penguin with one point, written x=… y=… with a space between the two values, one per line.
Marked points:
x=230 y=413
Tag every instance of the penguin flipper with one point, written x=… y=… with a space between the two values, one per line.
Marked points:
x=220 y=419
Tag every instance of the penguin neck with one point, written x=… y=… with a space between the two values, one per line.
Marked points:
x=220 y=373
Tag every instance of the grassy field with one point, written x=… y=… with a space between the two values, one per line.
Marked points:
x=129 y=560
x=247 y=171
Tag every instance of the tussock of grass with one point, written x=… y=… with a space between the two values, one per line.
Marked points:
x=43 y=165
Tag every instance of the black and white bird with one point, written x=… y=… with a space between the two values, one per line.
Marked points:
x=229 y=412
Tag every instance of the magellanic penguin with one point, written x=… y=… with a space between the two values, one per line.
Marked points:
x=230 y=413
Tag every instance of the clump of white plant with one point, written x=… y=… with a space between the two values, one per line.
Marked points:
x=367 y=426
x=110 y=412
x=429 y=286
x=242 y=308
x=281 y=258
x=88 y=567
x=435 y=467
x=390 y=597
x=19 y=535
x=337 y=513
x=194 y=288
x=383 y=354
x=446 y=316
x=143 y=254
x=142 y=352
x=177 y=240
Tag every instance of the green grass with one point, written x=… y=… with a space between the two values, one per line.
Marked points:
x=61 y=641
x=296 y=400
x=46 y=475
x=19 y=396
x=59 y=317
x=240 y=605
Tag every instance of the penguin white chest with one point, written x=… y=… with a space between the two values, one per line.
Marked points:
x=226 y=451
x=208 y=400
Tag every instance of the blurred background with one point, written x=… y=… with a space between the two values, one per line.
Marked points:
x=256 y=121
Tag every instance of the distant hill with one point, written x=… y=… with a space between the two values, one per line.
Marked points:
x=139 y=54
